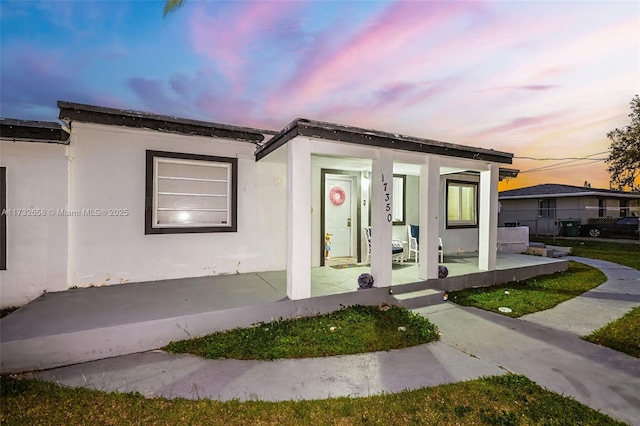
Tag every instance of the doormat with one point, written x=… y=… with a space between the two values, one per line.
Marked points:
x=345 y=266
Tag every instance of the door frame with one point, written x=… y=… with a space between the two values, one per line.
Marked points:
x=358 y=200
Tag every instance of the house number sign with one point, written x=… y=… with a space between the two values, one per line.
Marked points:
x=387 y=199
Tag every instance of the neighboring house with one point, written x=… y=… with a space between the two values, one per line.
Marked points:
x=130 y=196
x=543 y=207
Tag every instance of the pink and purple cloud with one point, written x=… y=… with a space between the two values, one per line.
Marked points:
x=525 y=77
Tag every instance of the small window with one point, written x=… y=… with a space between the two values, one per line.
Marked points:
x=624 y=207
x=602 y=207
x=188 y=193
x=399 y=197
x=462 y=204
x=547 y=208
x=3 y=218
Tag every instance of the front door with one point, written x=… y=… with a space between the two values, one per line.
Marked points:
x=338 y=214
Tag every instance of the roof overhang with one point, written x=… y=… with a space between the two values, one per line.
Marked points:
x=507 y=173
x=33 y=131
x=355 y=135
x=70 y=112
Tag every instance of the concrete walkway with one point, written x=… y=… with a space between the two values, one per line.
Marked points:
x=474 y=343
x=160 y=374
x=560 y=361
x=588 y=312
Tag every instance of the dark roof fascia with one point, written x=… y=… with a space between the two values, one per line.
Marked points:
x=507 y=173
x=33 y=131
x=340 y=133
x=118 y=117
x=281 y=138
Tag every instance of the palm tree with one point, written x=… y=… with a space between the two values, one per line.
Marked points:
x=172 y=5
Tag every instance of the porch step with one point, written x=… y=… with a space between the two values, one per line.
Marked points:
x=420 y=298
x=539 y=251
x=561 y=251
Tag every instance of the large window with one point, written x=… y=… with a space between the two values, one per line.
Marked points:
x=190 y=193
x=399 y=198
x=547 y=208
x=3 y=218
x=462 y=204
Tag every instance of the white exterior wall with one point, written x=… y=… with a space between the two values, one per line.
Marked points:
x=524 y=211
x=108 y=172
x=577 y=207
x=513 y=240
x=36 y=245
x=590 y=206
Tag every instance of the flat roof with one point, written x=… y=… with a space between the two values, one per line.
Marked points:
x=70 y=112
x=33 y=131
x=376 y=138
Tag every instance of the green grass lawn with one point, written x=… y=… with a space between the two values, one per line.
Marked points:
x=533 y=295
x=351 y=330
x=621 y=253
x=622 y=335
x=502 y=400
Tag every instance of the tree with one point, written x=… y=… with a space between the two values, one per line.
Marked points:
x=624 y=158
x=172 y=5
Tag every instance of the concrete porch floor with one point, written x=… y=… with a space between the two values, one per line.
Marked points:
x=86 y=324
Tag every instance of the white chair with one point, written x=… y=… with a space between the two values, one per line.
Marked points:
x=397 y=248
x=414 y=240
x=413 y=230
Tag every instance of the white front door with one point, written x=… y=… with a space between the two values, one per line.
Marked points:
x=338 y=214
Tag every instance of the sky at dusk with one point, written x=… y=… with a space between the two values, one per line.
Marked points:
x=538 y=79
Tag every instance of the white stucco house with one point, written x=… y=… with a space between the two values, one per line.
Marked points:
x=118 y=196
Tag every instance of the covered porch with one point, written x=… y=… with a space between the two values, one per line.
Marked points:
x=454 y=198
x=80 y=325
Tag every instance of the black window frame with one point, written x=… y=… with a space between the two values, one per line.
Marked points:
x=477 y=204
x=404 y=199
x=624 y=207
x=545 y=208
x=602 y=207
x=3 y=218
x=150 y=190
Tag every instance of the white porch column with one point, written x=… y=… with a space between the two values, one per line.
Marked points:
x=381 y=217
x=488 y=219
x=429 y=217
x=298 y=219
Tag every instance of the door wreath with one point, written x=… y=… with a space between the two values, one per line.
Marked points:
x=337 y=196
